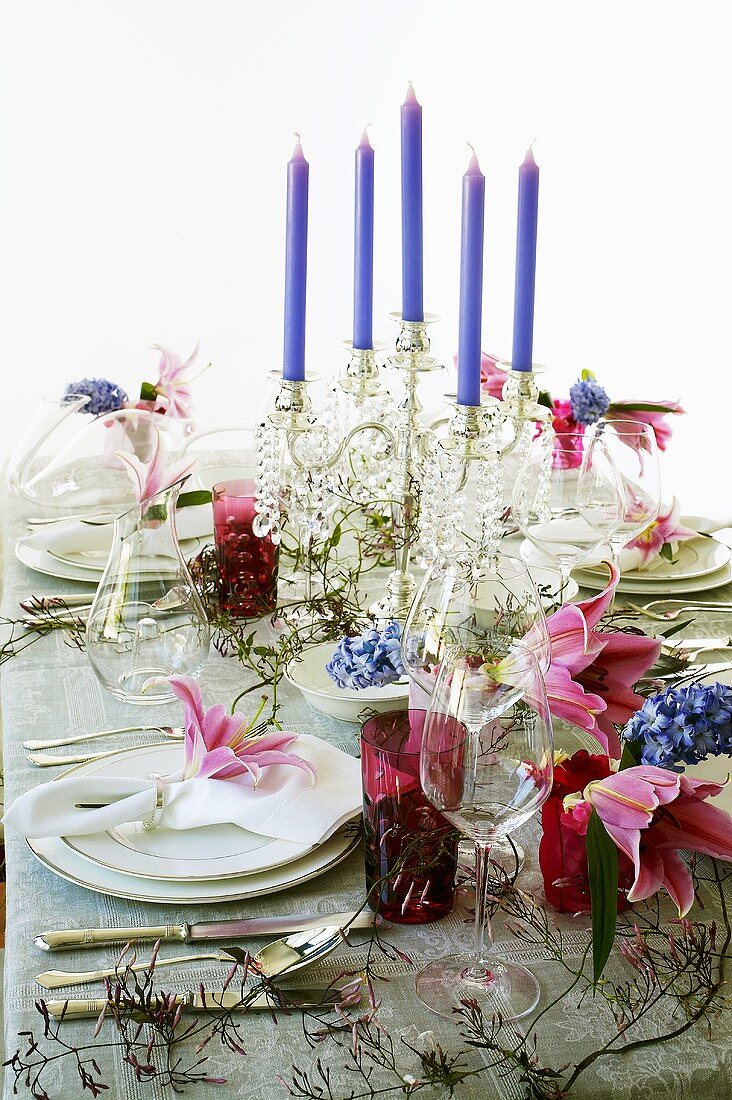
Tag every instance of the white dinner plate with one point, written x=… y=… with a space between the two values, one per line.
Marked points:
x=696 y=558
x=42 y=562
x=214 y=852
x=69 y=865
x=307 y=673
x=96 y=560
x=677 y=587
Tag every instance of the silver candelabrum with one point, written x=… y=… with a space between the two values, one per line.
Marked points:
x=444 y=480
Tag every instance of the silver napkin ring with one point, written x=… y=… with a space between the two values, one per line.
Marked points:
x=154 y=821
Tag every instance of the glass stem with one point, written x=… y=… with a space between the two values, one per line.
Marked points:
x=483 y=929
x=565 y=572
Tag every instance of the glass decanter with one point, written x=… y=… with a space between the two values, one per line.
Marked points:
x=147 y=620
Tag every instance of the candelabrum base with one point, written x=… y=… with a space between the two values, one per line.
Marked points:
x=400 y=589
x=503 y=989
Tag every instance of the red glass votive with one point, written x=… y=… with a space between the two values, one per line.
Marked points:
x=247 y=564
x=411 y=849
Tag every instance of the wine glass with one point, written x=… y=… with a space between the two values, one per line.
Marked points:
x=568 y=498
x=486 y=765
x=633 y=448
x=485 y=607
x=461 y=603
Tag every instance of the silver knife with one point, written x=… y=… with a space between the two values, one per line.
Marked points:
x=76 y=1008
x=66 y=939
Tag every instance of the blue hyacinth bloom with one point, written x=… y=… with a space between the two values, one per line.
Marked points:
x=683 y=725
x=588 y=401
x=105 y=396
x=371 y=660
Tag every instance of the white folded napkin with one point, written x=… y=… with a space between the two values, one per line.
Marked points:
x=287 y=803
x=75 y=536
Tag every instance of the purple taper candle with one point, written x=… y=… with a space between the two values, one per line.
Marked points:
x=296 y=265
x=412 y=247
x=471 y=285
x=363 y=247
x=523 y=307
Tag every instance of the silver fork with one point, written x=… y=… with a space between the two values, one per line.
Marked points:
x=175 y=733
x=48 y=760
x=675 y=612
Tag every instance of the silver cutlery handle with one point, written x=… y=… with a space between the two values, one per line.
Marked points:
x=68 y=938
x=81 y=1009
x=60 y=742
x=42 y=760
x=54 y=979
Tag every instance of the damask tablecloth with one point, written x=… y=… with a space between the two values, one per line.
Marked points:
x=51 y=690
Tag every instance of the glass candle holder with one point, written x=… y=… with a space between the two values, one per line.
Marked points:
x=411 y=849
x=247 y=564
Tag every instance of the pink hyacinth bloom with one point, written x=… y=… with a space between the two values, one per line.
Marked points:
x=591 y=673
x=651 y=814
x=153 y=477
x=219 y=745
x=655 y=417
x=665 y=528
x=173 y=387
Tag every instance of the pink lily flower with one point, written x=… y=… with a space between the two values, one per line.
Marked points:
x=591 y=675
x=665 y=528
x=220 y=746
x=651 y=813
x=492 y=377
x=655 y=416
x=172 y=387
x=153 y=477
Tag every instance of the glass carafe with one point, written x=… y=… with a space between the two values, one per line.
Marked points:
x=147 y=620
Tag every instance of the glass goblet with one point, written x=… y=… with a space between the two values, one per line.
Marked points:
x=486 y=765
x=568 y=498
x=633 y=448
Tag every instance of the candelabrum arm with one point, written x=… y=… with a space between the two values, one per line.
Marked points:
x=368 y=425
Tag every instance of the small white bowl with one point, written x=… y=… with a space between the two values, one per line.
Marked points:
x=307 y=673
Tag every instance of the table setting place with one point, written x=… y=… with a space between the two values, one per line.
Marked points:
x=366 y=751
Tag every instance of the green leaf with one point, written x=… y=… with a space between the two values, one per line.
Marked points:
x=148 y=392
x=587 y=375
x=602 y=867
x=631 y=755
x=335 y=538
x=545 y=398
x=639 y=406
x=196 y=496
x=667 y=552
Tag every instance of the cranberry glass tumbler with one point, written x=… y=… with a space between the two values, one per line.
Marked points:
x=247 y=564
x=411 y=850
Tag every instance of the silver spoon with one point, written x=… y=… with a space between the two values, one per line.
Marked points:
x=289 y=953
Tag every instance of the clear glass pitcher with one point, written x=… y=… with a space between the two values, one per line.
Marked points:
x=68 y=463
x=147 y=620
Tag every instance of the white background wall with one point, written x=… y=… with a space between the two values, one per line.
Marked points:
x=142 y=181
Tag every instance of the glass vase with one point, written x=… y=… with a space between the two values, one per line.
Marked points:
x=411 y=850
x=147 y=620
x=247 y=564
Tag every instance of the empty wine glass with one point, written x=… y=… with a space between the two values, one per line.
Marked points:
x=486 y=765
x=632 y=446
x=568 y=498
x=480 y=608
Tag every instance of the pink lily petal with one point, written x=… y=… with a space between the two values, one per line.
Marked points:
x=694 y=824
x=188 y=691
x=629 y=798
x=701 y=788
x=220 y=728
x=569 y=638
x=595 y=608
x=263 y=759
x=678 y=881
x=568 y=700
x=648 y=876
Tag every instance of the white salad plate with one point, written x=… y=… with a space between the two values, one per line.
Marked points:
x=211 y=852
x=73 y=867
x=41 y=561
x=307 y=673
